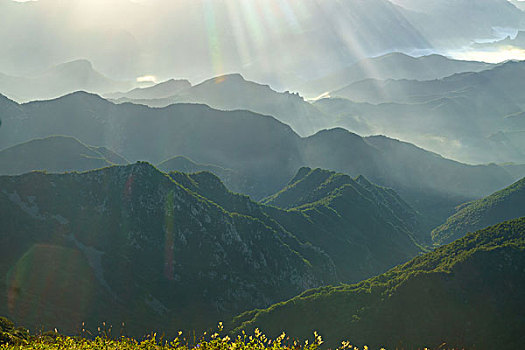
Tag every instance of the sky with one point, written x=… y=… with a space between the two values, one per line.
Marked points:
x=282 y=42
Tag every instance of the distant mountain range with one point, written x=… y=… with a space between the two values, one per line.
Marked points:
x=467 y=111
x=472 y=117
x=392 y=66
x=162 y=90
x=467 y=294
x=132 y=244
x=233 y=92
x=58 y=81
x=259 y=148
x=55 y=154
x=506 y=204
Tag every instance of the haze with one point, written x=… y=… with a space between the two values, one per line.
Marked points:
x=281 y=42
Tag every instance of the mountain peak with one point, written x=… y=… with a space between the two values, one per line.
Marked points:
x=225 y=78
x=83 y=95
x=232 y=76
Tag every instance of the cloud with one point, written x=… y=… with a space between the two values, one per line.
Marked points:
x=497 y=55
x=147 y=79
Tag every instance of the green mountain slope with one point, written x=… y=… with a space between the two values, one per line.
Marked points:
x=316 y=186
x=233 y=180
x=467 y=294
x=128 y=244
x=506 y=204
x=55 y=154
x=354 y=216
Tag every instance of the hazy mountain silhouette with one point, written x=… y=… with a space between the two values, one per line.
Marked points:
x=162 y=90
x=232 y=92
x=57 y=81
x=263 y=150
x=472 y=117
x=506 y=204
x=392 y=66
x=55 y=154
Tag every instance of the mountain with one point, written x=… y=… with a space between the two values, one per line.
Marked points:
x=162 y=90
x=453 y=127
x=232 y=179
x=393 y=65
x=132 y=244
x=263 y=150
x=233 y=92
x=517 y=42
x=58 y=81
x=55 y=154
x=352 y=217
x=506 y=204
x=517 y=170
x=501 y=80
x=141 y=133
x=467 y=294
x=315 y=191
x=471 y=117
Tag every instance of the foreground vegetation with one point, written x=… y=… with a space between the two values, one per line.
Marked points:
x=12 y=338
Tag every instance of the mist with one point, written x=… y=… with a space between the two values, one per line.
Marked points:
x=283 y=43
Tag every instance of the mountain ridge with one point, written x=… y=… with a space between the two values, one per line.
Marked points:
x=506 y=204
x=452 y=294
